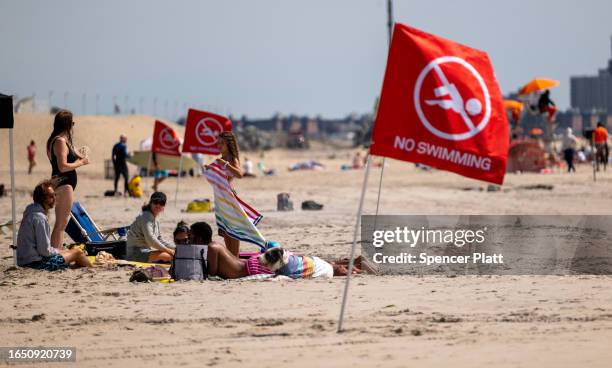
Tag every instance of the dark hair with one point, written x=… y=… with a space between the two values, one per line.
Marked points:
x=202 y=232
x=157 y=197
x=181 y=227
x=61 y=124
x=39 y=193
x=232 y=146
x=32 y=142
x=600 y=124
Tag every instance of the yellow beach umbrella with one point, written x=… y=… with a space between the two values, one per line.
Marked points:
x=538 y=84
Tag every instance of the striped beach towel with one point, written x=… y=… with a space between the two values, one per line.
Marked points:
x=233 y=215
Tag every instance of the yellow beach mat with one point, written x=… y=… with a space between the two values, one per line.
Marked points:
x=142 y=265
x=122 y=262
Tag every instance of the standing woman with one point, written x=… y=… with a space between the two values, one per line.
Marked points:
x=236 y=220
x=64 y=162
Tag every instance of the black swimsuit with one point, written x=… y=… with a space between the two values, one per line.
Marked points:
x=68 y=177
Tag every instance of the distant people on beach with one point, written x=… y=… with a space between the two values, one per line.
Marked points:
x=264 y=170
x=568 y=147
x=248 y=168
x=547 y=106
x=358 y=161
x=159 y=175
x=31 y=156
x=144 y=240
x=34 y=248
x=600 y=139
x=120 y=155
x=307 y=165
x=64 y=162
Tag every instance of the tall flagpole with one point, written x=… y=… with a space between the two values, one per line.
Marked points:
x=355 y=233
x=13 y=214
x=382 y=169
x=178 y=179
x=361 y=199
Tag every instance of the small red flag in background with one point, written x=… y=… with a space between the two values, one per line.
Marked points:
x=165 y=140
x=202 y=131
x=441 y=106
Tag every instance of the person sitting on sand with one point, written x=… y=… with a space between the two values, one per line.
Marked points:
x=181 y=233
x=34 y=248
x=358 y=161
x=144 y=240
x=248 y=169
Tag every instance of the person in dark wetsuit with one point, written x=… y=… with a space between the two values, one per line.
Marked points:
x=64 y=162
x=120 y=155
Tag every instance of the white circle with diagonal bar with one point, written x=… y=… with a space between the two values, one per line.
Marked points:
x=167 y=139
x=473 y=105
x=204 y=132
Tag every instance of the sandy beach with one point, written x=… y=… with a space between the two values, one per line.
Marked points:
x=392 y=321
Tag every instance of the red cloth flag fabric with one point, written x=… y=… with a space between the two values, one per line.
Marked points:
x=202 y=131
x=441 y=106
x=165 y=140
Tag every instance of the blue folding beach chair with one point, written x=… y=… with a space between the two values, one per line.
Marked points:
x=82 y=229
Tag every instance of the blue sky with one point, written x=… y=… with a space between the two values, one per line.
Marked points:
x=311 y=57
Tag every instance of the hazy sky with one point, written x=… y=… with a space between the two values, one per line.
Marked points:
x=260 y=57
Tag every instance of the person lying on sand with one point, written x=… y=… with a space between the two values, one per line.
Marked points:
x=34 y=248
x=220 y=261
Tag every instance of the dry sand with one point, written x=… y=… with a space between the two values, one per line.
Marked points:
x=397 y=321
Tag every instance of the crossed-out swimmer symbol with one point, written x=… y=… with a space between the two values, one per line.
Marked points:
x=466 y=110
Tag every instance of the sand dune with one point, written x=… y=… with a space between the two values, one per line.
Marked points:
x=99 y=133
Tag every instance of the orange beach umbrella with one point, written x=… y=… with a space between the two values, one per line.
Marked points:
x=538 y=84
x=513 y=105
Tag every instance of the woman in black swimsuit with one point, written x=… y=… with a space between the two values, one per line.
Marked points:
x=64 y=161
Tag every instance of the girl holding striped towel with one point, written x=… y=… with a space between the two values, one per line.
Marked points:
x=236 y=220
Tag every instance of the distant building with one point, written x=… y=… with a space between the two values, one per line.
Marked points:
x=593 y=93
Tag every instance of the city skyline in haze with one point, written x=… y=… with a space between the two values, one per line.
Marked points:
x=257 y=58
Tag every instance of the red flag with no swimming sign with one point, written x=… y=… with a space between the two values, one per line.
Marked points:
x=165 y=140
x=441 y=106
x=202 y=131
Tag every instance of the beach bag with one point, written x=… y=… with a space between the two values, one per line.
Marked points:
x=150 y=274
x=199 y=205
x=283 y=203
x=190 y=262
x=311 y=206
